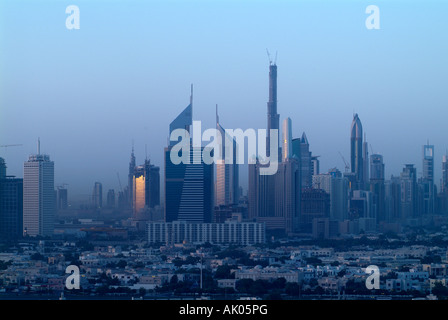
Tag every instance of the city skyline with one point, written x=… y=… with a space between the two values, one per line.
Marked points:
x=317 y=93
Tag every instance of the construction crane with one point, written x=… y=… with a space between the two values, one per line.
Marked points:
x=270 y=59
x=371 y=149
x=10 y=145
x=347 y=167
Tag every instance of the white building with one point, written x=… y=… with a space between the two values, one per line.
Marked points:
x=242 y=233
x=268 y=274
x=38 y=196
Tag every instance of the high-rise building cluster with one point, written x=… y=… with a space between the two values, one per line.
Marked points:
x=205 y=200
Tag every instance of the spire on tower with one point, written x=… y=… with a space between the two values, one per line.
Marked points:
x=217 y=117
x=191 y=95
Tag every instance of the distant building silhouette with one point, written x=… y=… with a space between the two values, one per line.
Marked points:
x=377 y=186
x=130 y=190
x=62 y=198
x=315 y=204
x=110 y=200
x=97 y=195
x=2 y=168
x=336 y=186
x=428 y=179
x=409 y=193
x=444 y=188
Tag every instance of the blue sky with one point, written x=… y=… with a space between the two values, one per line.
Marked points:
x=126 y=74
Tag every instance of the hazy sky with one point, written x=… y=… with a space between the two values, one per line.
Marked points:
x=126 y=74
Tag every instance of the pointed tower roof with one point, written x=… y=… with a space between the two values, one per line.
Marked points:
x=185 y=119
x=356 y=129
x=304 y=139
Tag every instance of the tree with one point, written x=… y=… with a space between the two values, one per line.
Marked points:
x=293 y=289
x=313 y=261
x=259 y=287
x=279 y=283
x=174 y=280
x=223 y=272
x=439 y=289
x=313 y=282
x=273 y=296
x=5 y=265
x=122 y=264
x=142 y=291
x=244 y=285
x=319 y=290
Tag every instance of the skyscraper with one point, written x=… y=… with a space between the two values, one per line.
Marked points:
x=393 y=200
x=428 y=179
x=337 y=187
x=315 y=204
x=377 y=186
x=11 y=205
x=111 y=198
x=356 y=152
x=38 y=196
x=130 y=194
x=444 y=188
x=188 y=187
x=365 y=158
x=146 y=186
x=301 y=151
x=409 y=191
x=62 y=195
x=184 y=120
x=2 y=168
x=275 y=199
x=315 y=165
x=376 y=167
x=97 y=195
x=273 y=116
x=227 y=174
x=287 y=139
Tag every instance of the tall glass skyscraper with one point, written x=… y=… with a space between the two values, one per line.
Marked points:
x=38 y=196
x=377 y=186
x=409 y=192
x=356 y=152
x=428 y=179
x=189 y=190
x=301 y=150
x=227 y=174
x=273 y=116
x=97 y=195
x=445 y=174
x=146 y=187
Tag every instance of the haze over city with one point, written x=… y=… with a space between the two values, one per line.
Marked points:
x=126 y=74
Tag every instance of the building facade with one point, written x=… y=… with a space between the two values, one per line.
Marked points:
x=38 y=196
x=230 y=232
